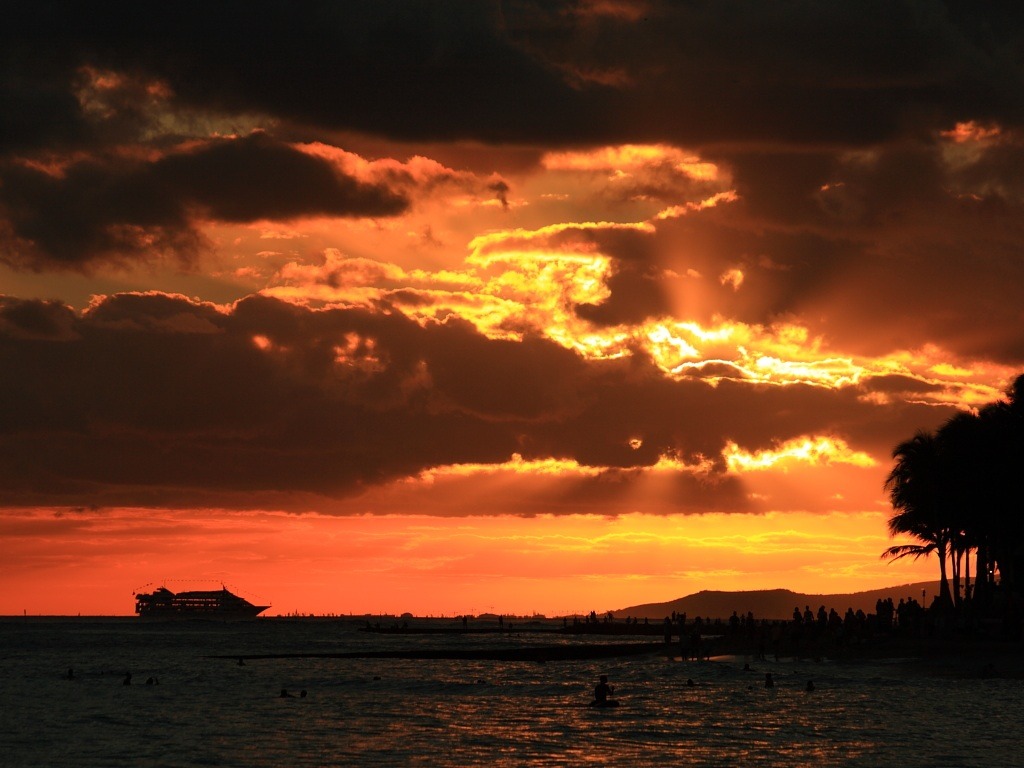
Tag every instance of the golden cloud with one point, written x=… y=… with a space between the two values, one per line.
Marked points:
x=812 y=450
x=627 y=159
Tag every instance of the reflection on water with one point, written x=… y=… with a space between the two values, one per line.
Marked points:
x=212 y=712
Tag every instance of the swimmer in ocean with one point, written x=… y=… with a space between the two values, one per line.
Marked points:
x=602 y=690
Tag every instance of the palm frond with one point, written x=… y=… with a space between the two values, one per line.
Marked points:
x=916 y=551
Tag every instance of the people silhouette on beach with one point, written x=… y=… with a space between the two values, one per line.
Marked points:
x=70 y=675
x=768 y=682
x=810 y=686
x=241 y=661
x=127 y=679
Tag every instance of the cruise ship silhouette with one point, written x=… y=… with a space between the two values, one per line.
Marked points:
x=214 y=605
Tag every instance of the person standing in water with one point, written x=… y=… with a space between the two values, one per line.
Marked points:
x=602 y=690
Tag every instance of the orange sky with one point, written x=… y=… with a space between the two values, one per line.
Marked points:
x=79 y=562
x=583 y=305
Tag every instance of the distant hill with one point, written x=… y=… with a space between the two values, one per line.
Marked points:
x=774 y=603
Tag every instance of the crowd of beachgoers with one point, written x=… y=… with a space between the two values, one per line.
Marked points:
x=904 y=625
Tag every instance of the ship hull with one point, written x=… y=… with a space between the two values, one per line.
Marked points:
x=186 y=615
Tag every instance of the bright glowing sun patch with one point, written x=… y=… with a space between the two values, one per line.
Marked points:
x=814 y=450
x=631 y=158
x=517 y=465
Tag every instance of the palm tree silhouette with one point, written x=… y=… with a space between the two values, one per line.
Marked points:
x=1003 y=482
x=961 y=488
x=916 y=492
x=965 y=442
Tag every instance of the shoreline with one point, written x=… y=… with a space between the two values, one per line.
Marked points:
x=949 y=652
x=952 y=657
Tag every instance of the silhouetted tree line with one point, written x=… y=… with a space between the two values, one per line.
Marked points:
x=958 y=492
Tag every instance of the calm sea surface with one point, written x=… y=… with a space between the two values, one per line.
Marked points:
x=213 y=712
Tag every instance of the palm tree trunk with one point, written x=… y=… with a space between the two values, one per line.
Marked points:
x=956 y=555
x=945 y=599
x=981 y=575
x=967 y=573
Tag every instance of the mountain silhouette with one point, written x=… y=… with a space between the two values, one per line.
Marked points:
x=774 y=603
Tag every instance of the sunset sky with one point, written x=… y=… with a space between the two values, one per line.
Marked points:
x=516 y=306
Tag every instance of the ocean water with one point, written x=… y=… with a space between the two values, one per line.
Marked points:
x=212 y=712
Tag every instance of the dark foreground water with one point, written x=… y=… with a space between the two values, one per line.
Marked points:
x=384 y=712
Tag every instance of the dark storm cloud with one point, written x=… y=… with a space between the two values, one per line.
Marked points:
x=820 y=72
x=795 y=71
x=938 y=254
x=742 y=80
x=405 y=69
x=35 y=319
x=895 y=385
x=257 y=178
x=114 y=208
x=155 y=399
